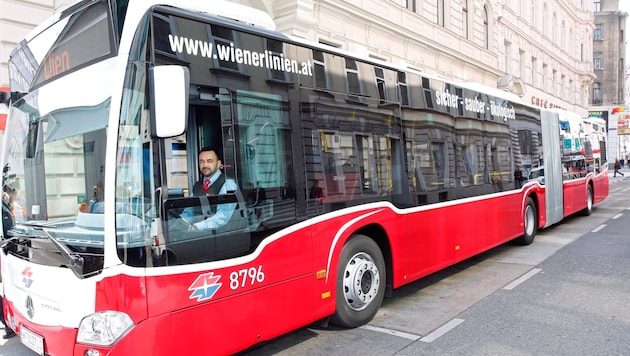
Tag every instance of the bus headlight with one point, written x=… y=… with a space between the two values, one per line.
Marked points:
x=103 y=328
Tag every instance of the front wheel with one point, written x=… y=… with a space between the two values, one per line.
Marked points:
x=360 y=282
x=530 y=223
x=589 y=202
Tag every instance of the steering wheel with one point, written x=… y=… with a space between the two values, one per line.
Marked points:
x=176 y=215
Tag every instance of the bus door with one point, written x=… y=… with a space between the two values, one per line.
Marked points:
x=554 y=200
x=205 y=225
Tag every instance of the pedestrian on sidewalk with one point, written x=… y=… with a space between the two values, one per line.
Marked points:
x=8 y=332
x=7 y=223
x=617 y=167
x=518 y=177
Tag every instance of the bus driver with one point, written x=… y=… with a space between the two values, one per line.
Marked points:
x=212 y=182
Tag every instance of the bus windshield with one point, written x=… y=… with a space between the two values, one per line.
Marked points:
x=54 y=143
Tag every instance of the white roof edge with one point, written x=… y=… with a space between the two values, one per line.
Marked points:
x=595 y=119
x=562 y=113
x=402 y=67
x=43 y=25
x=220 y=8
x=496 y=92
x=226 y=9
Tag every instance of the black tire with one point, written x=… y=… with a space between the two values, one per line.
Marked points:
x=360 y=282
x=530 y=223
x=589 y=202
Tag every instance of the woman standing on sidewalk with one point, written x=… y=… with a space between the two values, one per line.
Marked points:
x=617 y=167
x=7 y=223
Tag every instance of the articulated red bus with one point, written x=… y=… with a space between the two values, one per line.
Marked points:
x=343 y=178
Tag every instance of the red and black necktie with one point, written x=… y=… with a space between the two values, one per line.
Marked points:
x=206 y=185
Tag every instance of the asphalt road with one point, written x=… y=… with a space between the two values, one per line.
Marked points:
x=566 y=294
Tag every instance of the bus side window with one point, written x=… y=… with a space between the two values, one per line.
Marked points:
x=176 y=166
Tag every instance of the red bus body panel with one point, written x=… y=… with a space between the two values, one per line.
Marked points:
x=575 y=191
x=61 y=340
x=440 y=237
x=601 y=186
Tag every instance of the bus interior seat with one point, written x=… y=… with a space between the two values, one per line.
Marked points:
x=97 y=208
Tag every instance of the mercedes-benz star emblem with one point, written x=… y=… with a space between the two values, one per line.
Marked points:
x=30 y=309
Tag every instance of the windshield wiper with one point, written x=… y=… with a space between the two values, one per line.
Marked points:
x=74 y=259
x=5 y=242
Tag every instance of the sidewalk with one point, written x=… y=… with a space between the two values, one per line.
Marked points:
x=625 y=170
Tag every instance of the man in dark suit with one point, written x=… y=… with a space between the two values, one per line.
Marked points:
x=213 y=182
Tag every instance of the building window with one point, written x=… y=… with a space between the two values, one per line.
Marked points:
x=440 y=13
x=379 y=74
x=562 y=35
x=162 y=25
x=226 y=38
x=597 y=95
x=597 y=32
x=277 y=49
x=403 y=90
x=352 y=79
x=521 y=64
x=544 y=77
x=426 y=88
x=597 y=5
x=411 y=5
x=544 y=22
x=507 y=56
x=554 y=29
x=319 y=70
x=465 y=18
x=597 y=61
x=534 y=62
x=486 y=29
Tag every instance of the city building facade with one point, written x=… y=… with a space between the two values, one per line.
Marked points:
x=608 y=54
x=607 y=97
x=540 y=50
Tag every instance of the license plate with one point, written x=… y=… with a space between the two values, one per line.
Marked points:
x=32 y=340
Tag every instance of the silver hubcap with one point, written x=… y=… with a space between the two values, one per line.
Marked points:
x=529 y=220
x=360 y=281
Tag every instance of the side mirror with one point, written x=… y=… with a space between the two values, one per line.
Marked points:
x=169 y=99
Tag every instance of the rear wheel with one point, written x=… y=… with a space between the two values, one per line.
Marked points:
x=360 y=282
x=530 y=223
x=589 y=202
